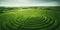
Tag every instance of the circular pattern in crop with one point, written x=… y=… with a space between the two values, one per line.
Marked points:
x=29 y=20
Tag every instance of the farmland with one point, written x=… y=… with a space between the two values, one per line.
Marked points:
x=30 y=18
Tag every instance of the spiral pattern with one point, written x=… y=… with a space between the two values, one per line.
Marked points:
x=30 y=20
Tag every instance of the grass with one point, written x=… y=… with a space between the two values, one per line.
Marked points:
x=30 y=19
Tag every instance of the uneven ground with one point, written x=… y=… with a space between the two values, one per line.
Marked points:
x=30 y=19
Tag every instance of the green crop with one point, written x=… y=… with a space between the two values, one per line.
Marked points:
x=30 y=20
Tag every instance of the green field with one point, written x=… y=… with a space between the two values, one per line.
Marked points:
x=29 y=18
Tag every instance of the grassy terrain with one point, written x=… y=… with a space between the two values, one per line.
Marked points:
x=30 y=18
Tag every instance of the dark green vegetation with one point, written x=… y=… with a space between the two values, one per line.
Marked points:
x=30 y=18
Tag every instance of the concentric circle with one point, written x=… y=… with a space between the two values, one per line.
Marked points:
x=40 y=22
